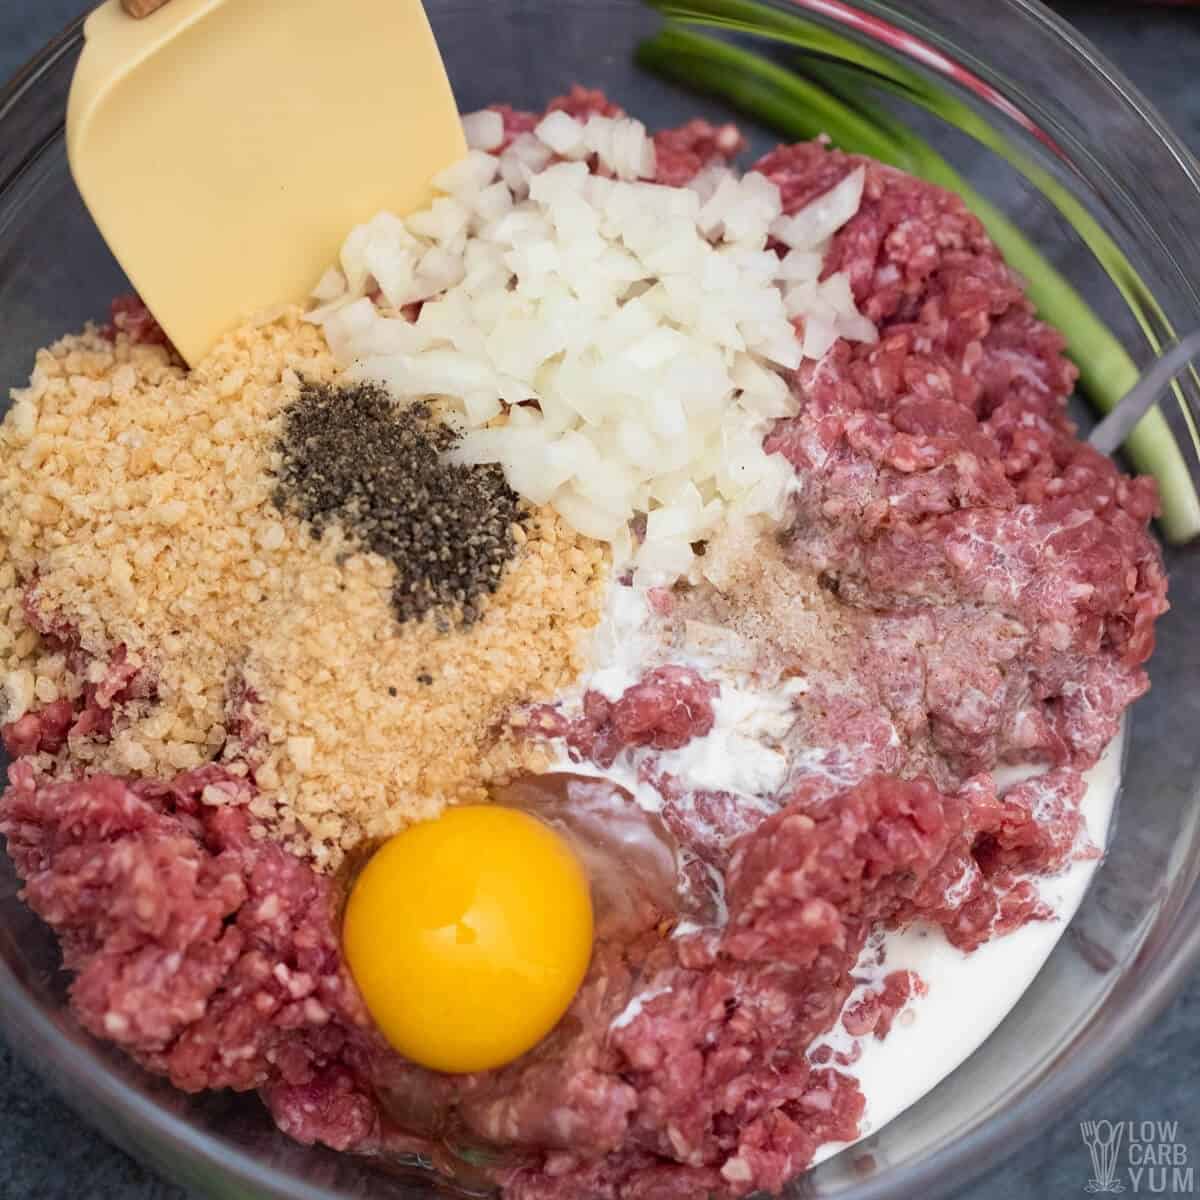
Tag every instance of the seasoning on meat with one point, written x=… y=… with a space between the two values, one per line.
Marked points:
x=151 y=582
x=350 y=455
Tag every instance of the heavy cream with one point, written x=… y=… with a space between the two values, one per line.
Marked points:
x=967 y=994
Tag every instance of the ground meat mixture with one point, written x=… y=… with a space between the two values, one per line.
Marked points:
x=138 y=523
x=214 y=958
x=211 y=956
x=997 y=570
x=962 y=584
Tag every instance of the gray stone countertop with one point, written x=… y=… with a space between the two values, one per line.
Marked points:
x=46 y=1154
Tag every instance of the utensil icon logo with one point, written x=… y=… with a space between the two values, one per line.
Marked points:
x=1103 y=1140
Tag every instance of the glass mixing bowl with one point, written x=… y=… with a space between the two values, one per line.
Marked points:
x=1039 y=95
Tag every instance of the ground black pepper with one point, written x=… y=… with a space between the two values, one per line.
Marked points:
x=350 y=456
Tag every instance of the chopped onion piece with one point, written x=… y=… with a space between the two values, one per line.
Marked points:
x=819 y=336
x=824 y=216
x=330 y=286
x=563 y=134
x=484 y=130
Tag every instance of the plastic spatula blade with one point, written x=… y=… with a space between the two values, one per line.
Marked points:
x=226 y=147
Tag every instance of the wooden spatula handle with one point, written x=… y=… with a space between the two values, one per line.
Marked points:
x=141 y=8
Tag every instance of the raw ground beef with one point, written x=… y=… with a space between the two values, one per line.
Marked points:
x=665 y=710
x=214 y=959
x=875 y=1012
x=130 y=316
x=47 y=730
x=978 y=587
x=998 y=572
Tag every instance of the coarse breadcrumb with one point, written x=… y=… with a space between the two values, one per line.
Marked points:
x=135 y=498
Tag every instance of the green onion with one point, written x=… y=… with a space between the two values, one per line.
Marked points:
x=800 y=109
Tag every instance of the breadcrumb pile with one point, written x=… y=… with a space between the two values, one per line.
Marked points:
x=136 y=511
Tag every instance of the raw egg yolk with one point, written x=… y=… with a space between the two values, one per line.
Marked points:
x=469 y=936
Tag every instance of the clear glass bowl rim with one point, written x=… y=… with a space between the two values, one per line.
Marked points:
x=85 y=1080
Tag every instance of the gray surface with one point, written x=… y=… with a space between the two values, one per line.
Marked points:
x=45 y=1154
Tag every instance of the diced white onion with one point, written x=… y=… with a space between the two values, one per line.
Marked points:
x=824 y=216
x=330 y=286
x=650 y=324
x=563 y=134
x=484 y=130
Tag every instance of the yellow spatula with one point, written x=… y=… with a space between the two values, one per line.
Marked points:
x=225 y=147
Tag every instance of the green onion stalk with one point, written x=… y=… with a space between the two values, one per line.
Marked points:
x=800 y=108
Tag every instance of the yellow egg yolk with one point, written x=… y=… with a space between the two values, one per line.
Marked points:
x=469 y=936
